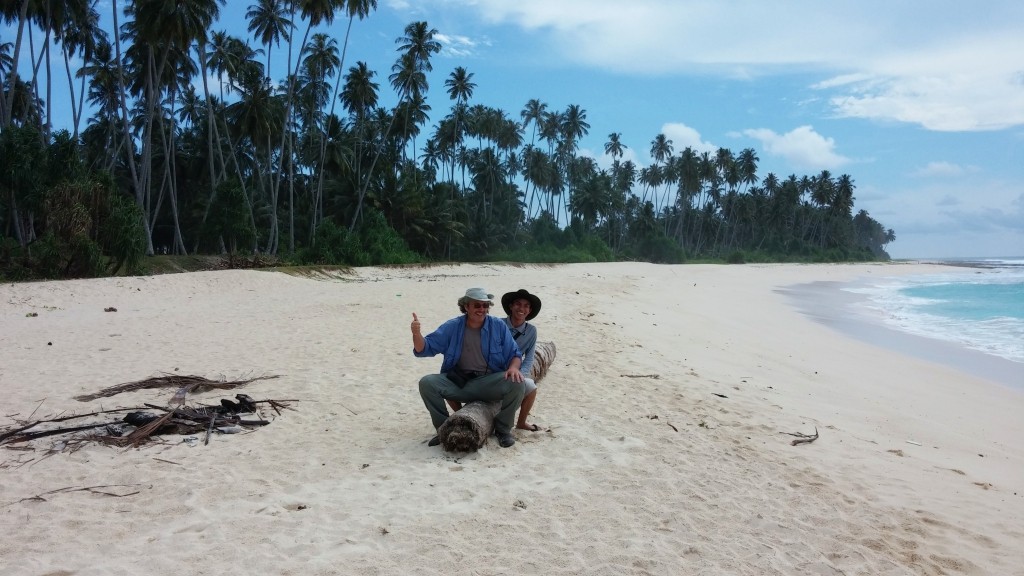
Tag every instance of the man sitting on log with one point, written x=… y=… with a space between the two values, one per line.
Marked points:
x=481 y=362
x=520 y=307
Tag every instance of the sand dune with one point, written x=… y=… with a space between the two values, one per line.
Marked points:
x=664 y=450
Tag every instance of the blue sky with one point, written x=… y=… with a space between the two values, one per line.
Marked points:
x=920 y=102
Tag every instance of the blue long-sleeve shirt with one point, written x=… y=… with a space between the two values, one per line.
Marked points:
x=496 y=343
x=527 y=343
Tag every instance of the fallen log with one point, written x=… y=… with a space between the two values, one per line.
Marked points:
x=468 y=429
x=543 y=357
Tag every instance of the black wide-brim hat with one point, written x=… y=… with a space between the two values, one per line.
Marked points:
x=508 y=298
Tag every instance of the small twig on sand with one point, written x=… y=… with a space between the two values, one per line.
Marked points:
x=15 y=431
x=651 y=376
x=209 y=429
x=802 y=438
x=92 y=489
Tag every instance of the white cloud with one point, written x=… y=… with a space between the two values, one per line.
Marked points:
x=949 y=218
x=678 y=133
x=458 y=46
x=802 y=147
x=940 y=170
x=605 y=161
x=948 y=67
x=682 y=136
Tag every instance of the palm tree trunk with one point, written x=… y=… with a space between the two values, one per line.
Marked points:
x=318 y=204
x=19 y=233
x=211 y=135
x=130 y=148
x=49 y=74
x=245 y=192
x=22 y=19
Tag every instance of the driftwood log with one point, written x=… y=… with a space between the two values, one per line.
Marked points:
x=543 y=357
x=468 y=429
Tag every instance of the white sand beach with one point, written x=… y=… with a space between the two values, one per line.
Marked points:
x=664 y=450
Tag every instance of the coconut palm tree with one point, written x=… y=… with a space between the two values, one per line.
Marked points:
x=460 y=88
x=661 y=148
x=420 y=44
x=359 y=97
x=661 y=151
x=158 y=56
x=80 y=33
x=17 y=11
x=409 y=79
x=269 y=23
x=533 y=113
x=355 y=9
x=614 y=147
x=322 y=62
x=574 y=125
x=746 y=163
x=460 y=85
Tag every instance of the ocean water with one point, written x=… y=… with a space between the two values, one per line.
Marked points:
x=979 y=305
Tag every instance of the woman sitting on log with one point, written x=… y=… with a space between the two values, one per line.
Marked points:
x=481 y=362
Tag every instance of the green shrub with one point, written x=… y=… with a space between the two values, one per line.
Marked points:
x=374 y=243
x=229 y=217
x=123 y=235
x=332 y=244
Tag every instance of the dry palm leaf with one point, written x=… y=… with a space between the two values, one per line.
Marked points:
x=184 y=384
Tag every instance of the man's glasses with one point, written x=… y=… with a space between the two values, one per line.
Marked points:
x=480 y=305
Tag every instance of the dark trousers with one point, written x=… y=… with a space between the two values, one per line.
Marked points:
x=436 y=388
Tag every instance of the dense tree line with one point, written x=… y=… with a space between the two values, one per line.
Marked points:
x=306 y=163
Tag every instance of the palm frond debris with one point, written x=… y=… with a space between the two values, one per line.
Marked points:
x=184 y=384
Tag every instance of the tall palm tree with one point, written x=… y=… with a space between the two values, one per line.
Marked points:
x=355 y=9
x=532 y=113
x=661 y=151
x=419 y=42
x=315 y=13
x=269 y=23
x=746 y=162
x=409 y=79
x=104 y=95
x=572 y=128
x=80 y=33
x=460 y=87
x=574 y=125
x=409 y=117
x=614 y=146
x=160 y=43
x=15 y=12
x=359 y=97
x=228 y=56
x=661 y=148
x=321 y=63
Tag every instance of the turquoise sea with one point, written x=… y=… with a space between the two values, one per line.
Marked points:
x=978 y=306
